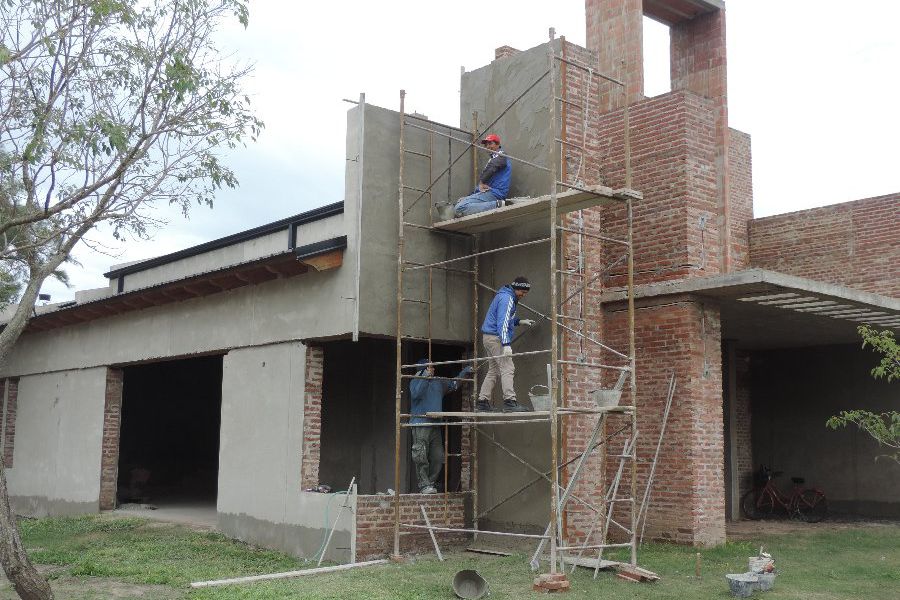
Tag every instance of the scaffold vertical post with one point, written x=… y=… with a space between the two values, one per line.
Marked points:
x=473 y=433
x=399 y=379
x=554 y=312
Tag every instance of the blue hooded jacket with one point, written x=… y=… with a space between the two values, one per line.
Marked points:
x=427 y=395
x=501 y=317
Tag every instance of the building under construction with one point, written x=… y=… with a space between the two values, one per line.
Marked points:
x=240 y=375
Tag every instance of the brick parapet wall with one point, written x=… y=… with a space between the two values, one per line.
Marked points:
x=740 y=196
x=312 y=416
x=9 y=423
x=855 y=244
x=375 y=523
x=112 y=422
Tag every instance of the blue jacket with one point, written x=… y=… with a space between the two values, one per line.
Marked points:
x=501 y=315
x=497 y=174
x=427 y=395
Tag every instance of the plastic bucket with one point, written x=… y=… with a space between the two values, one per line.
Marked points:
x=539 y=401
x=606 y=398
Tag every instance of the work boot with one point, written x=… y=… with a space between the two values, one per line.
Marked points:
x=511 y=405
x=483 y=406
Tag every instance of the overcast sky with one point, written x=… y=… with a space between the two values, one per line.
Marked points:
x=814 y=83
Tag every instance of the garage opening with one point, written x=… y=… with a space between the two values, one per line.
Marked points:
x=169 y=436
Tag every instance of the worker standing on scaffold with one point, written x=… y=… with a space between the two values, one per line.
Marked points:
x=493 y=184
x=497 y=334
x=427 y=395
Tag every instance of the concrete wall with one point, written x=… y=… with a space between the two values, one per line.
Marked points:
x=379 y=157
x=855 y=244
x=309 y=305
x=260 y=498
x=793 y=393
x=524 y=130
x=57 y=445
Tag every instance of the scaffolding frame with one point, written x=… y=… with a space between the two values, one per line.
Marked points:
x=471 y=421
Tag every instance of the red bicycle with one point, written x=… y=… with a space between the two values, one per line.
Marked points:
x=766 y=500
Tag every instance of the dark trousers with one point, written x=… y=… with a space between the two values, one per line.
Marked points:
x=427 y=454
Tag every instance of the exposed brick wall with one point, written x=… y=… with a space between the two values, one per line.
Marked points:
x=688 y=497
x=375 y=523
x=673 y=162
x=112 y=422
x=9 y=433
x=699 y=65
x=615 y=30
x=504 y=51
x=743 y=448
x=312 y=417
x=740 y=196
x=855 y=244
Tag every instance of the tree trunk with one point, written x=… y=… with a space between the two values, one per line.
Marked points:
x=21 y=573
x=28 y=583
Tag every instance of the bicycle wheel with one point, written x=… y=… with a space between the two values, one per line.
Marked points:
x=750 y=506
x=811 y=506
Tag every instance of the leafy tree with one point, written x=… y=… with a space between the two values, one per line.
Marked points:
x=883 y=427
x=107 y=108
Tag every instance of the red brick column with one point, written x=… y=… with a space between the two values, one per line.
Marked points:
x=615 y=30
x=9 y=434
x=112 y=421
x=312 y=417
x=699 y=64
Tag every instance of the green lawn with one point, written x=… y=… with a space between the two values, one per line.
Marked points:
x=106 y=557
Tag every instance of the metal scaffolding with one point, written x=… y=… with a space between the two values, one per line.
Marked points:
x=617 y=509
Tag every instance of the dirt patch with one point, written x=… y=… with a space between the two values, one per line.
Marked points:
x=750 y=530
x=95 y=588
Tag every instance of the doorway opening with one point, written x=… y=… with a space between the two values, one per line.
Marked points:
x=169 y=436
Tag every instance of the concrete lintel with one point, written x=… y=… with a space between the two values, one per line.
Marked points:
x=672 y=12
x=752 y=281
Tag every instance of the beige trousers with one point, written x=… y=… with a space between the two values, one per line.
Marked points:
x=499 y=367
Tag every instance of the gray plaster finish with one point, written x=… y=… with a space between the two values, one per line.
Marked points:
x=314 y=304
x=260 y=451
x=41 y=506
x=298 y=540
x=379 y=205
x=526 y=134
x=59 y=431
x=525 y=129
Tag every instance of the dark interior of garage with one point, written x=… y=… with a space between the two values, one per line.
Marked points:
x=169 y=437
x=357 y=437
x=794 y=392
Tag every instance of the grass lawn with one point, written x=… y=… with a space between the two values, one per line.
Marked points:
x=100 y=557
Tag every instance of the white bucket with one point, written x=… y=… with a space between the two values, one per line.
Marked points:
x=539 y=401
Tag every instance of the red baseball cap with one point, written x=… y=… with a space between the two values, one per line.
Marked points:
x=491 y=138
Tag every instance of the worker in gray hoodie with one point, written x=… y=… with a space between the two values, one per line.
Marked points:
x=427 y=395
